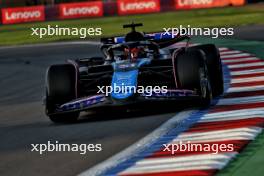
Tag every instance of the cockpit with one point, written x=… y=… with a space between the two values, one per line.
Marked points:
x=133 y=51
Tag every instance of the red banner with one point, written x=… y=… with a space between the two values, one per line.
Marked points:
x=126 y=7
x=82 y=9
x=23 y=14
x=193 y=4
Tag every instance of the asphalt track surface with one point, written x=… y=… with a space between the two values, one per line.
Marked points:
x=22 y=120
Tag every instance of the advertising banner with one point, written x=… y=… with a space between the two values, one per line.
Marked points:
x=127 y=7
x=23 y=14
x=82 y=9
x=193 y=4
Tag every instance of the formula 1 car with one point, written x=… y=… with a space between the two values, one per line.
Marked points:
x=135 y=60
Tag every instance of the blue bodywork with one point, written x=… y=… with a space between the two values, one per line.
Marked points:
x=121 y=82
x=155 y=36
x=125 y=75
x=124 y=81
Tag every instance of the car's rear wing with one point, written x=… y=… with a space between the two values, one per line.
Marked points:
x=161 y=38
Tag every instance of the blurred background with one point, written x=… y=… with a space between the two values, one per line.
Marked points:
x=16 y=3
x=18 y=16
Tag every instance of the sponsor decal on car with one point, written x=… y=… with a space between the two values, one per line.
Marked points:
x=81 y=103
x=192 y=4
x=126 y=7
x=23 y=14
x=83 y=9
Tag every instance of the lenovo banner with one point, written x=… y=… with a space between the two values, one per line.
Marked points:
x=126 y=7
x=23 y=14
x=193 y=4
x=79 y=10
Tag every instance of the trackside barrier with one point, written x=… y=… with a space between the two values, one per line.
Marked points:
x=129 y=7
x=194 y=4
x=79 y=10
x=254 y=1
x=23 y=14
x=99 y=9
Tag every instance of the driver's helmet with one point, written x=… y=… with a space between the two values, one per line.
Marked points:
x=137 y=52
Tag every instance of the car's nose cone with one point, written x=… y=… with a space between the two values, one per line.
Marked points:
x=124 y=84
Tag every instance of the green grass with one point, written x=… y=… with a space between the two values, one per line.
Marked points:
x=249 y=162
x=231 y=16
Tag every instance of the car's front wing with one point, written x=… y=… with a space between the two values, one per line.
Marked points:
x=86 y=103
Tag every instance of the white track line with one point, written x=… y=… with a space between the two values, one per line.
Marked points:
x=246 y=130
x=157 y=165
x=218 y=138
x=242 y=133
x=229 y=52
x=235 y=112
x=240 y=60
x=252 y=71
x=240 y=100
x=235 y=55
x=224 y=118
x=245 y=88
x=231 y=114
x=194 y=162
x=175 y=160
x=260 y=63
x=231 y=61
x=250 y=79
x=222 y=49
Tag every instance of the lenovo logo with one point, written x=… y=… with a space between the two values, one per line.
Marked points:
x=137 y=6
x=83 y=9
x=23 y=14
x=134 y=6
x=194 y=2
x=191 y=4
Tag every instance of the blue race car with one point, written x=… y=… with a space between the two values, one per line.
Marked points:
x=135 y=68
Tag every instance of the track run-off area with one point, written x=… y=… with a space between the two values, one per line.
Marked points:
x=236 y=117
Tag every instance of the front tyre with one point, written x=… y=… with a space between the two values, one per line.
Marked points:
x=61 y=87
x=192 y=74
x=214 y=66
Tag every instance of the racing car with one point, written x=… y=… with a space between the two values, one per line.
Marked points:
x=136 y=59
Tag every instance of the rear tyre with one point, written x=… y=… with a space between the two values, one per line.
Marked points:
x=192 y=74
x=214 y=66
x=60 y=88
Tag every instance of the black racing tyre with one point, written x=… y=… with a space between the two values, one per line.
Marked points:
x=60 y=88
x=192 y=74
x=214 y=66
